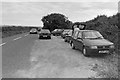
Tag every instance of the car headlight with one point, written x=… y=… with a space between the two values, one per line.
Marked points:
x=93 y=47
x=112 y=46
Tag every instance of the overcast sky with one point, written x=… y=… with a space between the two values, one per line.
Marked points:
x=29 y=12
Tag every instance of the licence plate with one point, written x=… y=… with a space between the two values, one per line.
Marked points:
x=45 y=36
x=103 y=51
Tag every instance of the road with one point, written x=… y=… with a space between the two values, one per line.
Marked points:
x=26 y=56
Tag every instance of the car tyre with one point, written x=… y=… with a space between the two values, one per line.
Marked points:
x=72 y=45
x=65 y=40
x=49 y=37
x=69 y=41
x=40 y=37
x=85 y=52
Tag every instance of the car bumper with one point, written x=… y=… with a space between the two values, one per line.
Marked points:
x=99 y=51
x=45 y=35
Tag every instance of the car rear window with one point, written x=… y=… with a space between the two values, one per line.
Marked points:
x=33 y=29
x=45 y=31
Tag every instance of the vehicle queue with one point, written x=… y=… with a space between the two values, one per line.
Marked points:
x=89 y=42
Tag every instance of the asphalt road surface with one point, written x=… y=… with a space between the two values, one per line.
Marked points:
x=26 y=56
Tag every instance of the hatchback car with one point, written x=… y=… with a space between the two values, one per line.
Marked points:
x=91 y=42
x=65 y=33
x=33 y=31
x=57 y=32
x=44 y=33
x=68 y=37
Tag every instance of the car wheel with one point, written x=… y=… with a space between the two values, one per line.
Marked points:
x=49 y=37
x=85 y=52
x=72 y=45
x=40 y=37
x=68 y=41
x=65 y=40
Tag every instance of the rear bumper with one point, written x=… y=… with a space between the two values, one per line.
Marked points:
x=98 y=51
x=47 y=35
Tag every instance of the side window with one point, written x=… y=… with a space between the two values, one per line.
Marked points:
x=79 y=35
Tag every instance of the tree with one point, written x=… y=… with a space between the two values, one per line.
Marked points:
x=56 y=21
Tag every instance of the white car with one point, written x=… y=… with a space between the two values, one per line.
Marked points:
x=33 y=31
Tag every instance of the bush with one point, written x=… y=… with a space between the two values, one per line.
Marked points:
x=13 y=30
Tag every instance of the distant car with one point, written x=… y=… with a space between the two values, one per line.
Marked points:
x=57 y=32
x=39 y=29
x=91 y=42
x=44 y=33
x=68 y=37
x=33 y=31
x=65 y=33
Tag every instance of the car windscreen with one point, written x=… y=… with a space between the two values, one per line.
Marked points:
x=92 y=35
x=33 y=30
x=66 y=31
x=55 y=30
x=45 y=31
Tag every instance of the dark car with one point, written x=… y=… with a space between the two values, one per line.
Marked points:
x=57 y=32
x=91 y=42
x=44 y=33
x=68 y=37
x=33 y=31
x=65 y=33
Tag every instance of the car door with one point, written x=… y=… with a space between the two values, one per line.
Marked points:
x=69 y=36
x=75 y=39
x=79 y=41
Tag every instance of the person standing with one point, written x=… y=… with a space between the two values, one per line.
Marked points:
x=75 y=29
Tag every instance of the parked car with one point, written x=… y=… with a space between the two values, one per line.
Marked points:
x=39 y=29
x=65 y=32
x=33 y=31
x=57 y=32
x=91 y=42
x=68 y=37
x=44 y=33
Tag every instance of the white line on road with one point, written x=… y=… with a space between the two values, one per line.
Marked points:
x=17 y=38
x=26 y=34
x=2 y=44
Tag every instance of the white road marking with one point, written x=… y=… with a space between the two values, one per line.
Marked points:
x=17 y=38
x=26 y=34
x=2 y=44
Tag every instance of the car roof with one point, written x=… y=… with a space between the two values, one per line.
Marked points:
x=86 y=30
x=67 y=29
x=45 y=30
x=58 y=30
